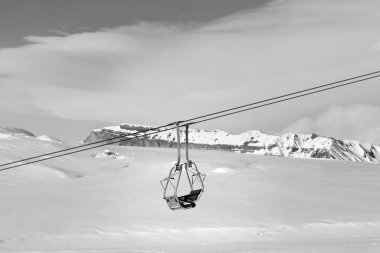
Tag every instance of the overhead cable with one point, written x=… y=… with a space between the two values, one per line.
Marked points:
x=204 y=118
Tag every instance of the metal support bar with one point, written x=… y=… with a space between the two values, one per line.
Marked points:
x=187 y=143
x=178 y=144
x=167 y=182
x=188 y=177
x=199 y=175
x=179 y=177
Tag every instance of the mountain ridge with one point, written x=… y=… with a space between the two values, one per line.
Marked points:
x=253 y=141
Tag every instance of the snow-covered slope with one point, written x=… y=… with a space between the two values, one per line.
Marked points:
x=17 y=144
x=111 y=201
x=256 y=142
x=48 y=138
x=15 y=131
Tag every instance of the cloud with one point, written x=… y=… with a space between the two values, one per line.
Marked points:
x=354 y=122
x=157 y=72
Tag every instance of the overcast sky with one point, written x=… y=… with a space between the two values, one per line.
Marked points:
x=68 y=66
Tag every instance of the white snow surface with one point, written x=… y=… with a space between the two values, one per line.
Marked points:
x=223 y=170
x=251 y=203
x=7 y=136
x=109 y=154
x=48 y=138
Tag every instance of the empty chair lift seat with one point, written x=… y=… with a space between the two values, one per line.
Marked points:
x=195 y=179
x=186 y=201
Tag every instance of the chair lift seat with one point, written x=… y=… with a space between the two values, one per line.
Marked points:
x=187 y=204
x=172 y=203
x=180 y=204
x=191 y=197
x=186 y=201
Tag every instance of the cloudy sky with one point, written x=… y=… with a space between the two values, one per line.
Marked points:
x=68 y=66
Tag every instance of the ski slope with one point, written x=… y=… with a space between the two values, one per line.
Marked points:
x=92 y=202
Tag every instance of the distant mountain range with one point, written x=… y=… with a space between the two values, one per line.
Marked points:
x=255 y=142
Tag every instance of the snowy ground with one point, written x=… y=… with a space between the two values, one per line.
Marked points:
x=90 y=203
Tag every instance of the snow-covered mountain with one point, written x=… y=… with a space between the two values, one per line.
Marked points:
x=255 y=142
x=14 y=133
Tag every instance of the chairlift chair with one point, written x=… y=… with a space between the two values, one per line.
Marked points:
x=178 y=193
